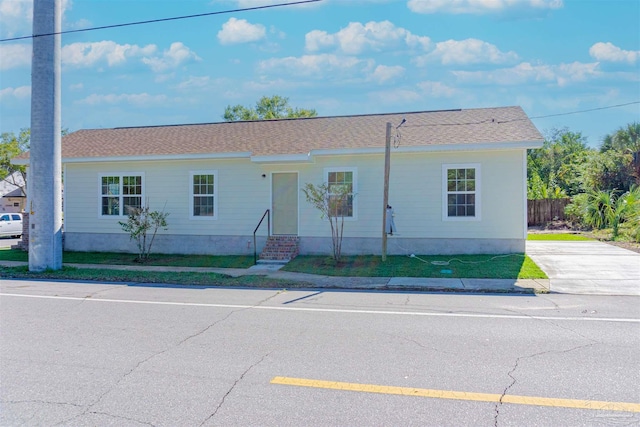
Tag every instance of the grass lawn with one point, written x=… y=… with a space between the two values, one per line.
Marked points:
x=182 y=278
x=128 y=259
x=456 y=266
x=557 y=236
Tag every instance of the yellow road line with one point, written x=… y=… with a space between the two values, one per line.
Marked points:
x=461 y=395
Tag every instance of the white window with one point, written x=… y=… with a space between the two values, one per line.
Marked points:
x=120 y=193
x=339 y=180
x=461 y=192
x=203 y=194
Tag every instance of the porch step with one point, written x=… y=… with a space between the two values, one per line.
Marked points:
x=280 y=248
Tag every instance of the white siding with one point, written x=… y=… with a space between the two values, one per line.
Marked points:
x=415 y=192
x=243 y=195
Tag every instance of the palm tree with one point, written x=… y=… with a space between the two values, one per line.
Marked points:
x=626 y=209
x=599 y=208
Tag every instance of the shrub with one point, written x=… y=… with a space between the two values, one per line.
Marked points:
x=139 y=222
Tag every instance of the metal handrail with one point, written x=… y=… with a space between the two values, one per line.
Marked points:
x=255 y=251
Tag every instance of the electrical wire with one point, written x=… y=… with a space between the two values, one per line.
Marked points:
x=524 y=119
x=153 y=21
x=586 y=111
x=446 y=263
x=397 y=138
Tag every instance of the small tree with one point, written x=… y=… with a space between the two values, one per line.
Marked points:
x=138 y=224
x=332 y=202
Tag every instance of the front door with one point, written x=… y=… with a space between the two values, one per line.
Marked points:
x=284 y=202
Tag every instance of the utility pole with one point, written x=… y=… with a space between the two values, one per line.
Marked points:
x=45 y=167
x=387 y=167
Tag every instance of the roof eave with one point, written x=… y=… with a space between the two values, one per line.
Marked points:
x=489 y=146
x=283 y=158
x=308 y=157
x=156 y=157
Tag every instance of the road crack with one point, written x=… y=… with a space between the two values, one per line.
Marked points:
x=233 y=386
x=511 y=373
x=176 y=345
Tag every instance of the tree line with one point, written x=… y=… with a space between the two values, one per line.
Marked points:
x=603 y=183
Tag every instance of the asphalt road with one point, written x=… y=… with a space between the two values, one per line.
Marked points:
x=100 y=354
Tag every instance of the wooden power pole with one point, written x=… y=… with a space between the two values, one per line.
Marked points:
x=387 y=167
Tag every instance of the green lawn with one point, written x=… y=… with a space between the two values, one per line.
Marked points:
x=556 y=236
x=128 y=259
x=182 y=278
x=455 y=266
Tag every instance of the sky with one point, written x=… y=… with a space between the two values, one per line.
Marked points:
x=554 y=58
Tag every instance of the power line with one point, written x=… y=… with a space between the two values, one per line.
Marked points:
x=152 y=21
x=585 y=111
x=522 y=119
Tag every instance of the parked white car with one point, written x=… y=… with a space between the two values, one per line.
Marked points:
x=11 y=224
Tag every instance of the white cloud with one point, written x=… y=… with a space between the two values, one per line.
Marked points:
x=194 y=82
x=15 y=16
x=21 y=92
x=176 y=55
x=610 y=52
x=383 y=73
x=113 y=54
x=522 y=73
x=316 y=65
x=135 y=99
x=317 y=40
x=77 y=86
x=14 y=55
x=469 y=51
x=84 y=54
x=357 y=38
x=240 y=31
x=479 y=6
x=437 y=89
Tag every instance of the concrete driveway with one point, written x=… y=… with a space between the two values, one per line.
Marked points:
x=587 y=267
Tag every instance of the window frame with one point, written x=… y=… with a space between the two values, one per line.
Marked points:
x=477 y=192
x=121 y=195
x=354 y=188
x=192 y=174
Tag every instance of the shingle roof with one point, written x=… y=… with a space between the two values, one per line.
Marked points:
x=301 y=136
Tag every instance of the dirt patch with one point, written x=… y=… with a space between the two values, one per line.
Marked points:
x=555 y=227
x=631 y=246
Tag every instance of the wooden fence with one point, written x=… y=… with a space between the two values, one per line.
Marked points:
x=542 y=211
